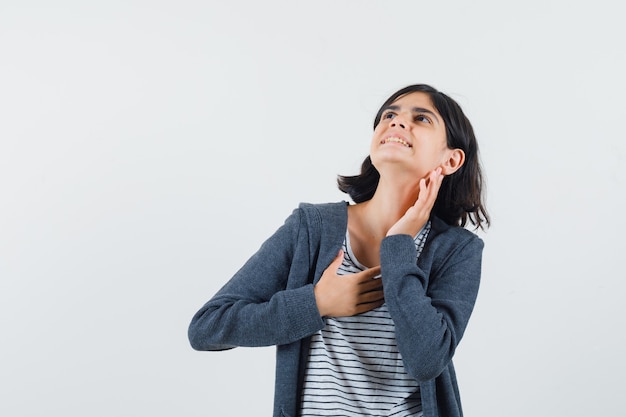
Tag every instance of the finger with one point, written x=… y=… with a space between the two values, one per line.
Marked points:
x=336 y=263
x=423 y=187
x=371 y=296
x=366 y=279
x=366 y=306
x=362 y=308
x=437 y=179
x=371 y=272
x=371 y=285
x=428 y=192
x=422 y=198
x=432 y=177
x=434 y=189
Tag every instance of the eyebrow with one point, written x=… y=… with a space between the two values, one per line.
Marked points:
x=415 y=110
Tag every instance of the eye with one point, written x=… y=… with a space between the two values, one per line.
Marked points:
x=422 y=118
x=388 y=115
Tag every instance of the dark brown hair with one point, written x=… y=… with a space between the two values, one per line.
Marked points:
x=460 y=197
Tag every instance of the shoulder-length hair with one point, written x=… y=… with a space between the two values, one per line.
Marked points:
x=460 y=197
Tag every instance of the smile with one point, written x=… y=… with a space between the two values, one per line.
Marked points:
x=395 y=139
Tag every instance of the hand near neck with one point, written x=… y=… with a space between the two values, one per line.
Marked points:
x=418 y=214
x=395 y=208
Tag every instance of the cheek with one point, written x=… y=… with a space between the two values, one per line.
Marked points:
x=375 y=137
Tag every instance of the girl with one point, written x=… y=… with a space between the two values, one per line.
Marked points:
x=367 y=302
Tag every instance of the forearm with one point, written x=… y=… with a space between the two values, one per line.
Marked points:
x=430 y=312
x=255 y=307
x=227 y=321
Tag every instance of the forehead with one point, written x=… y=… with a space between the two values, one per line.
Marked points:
x=415 y=99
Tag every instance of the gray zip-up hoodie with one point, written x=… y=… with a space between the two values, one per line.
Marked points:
x=270 y=301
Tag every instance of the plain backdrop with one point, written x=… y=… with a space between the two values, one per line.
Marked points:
x=147 y=149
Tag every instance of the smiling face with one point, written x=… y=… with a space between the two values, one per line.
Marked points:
x=411 y=138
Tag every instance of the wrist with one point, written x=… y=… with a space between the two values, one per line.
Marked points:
x=318 y=301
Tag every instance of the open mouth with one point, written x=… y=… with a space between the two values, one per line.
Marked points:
x=395 y=139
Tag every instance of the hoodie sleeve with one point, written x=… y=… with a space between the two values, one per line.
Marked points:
x=254 y=308
x=431 y=308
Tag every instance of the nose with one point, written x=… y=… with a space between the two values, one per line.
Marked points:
x=399 y=121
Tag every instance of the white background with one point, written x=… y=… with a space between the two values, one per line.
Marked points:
x=149 y=147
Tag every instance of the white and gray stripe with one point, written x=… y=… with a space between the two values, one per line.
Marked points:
x=354 y=367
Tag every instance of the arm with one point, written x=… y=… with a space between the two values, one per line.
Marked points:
x=431 y=308
x=254 y=308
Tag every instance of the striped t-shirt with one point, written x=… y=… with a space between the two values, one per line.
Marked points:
x=354 y=367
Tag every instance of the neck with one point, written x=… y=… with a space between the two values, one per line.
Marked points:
x=389 y=203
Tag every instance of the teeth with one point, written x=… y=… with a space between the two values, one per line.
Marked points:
x=396 y=140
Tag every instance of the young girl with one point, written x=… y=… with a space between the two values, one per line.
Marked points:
x=367 y=302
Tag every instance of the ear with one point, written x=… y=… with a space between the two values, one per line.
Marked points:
x=454 y=161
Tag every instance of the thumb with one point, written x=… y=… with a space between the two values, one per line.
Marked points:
x=338 y=260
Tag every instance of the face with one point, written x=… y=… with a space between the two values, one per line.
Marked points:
x=410 y=138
